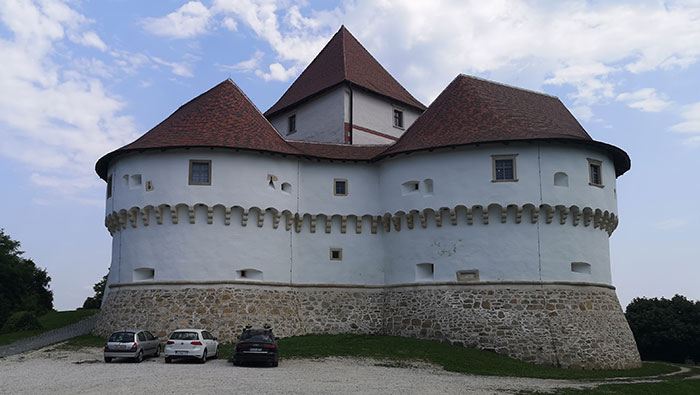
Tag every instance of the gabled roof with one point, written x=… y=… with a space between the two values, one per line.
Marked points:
x=472 y=110
x=343 y=59
x=220 y=117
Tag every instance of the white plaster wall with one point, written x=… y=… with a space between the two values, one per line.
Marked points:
x=500 y=251
x=360 y=137
x=377 y=113
x=320 y=119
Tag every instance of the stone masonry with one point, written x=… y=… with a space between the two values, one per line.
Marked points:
x=574 y=326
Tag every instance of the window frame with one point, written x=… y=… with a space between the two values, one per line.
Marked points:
x=199 y=161
x=110 y=186
x=401 y=123
x=335 y=188
x=291 y=121
x=599 y=164
x=511 y=157
x=338 y=250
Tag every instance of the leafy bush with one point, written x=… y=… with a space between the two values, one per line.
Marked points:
x=666 y=330
x=21 y=321
x=23 y=286
x=95 y=302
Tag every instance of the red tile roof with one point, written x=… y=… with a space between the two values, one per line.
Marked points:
x=220 y=117
x=469 y=111
x=472 y=110
x=343 y=59
x=338 y=151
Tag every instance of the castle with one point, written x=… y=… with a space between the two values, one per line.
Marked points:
x=482 y=220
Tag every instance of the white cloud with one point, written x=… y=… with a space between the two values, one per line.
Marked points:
x=690 y=124
x=670 y=224
x=178 y=68
x=55 y=118
x=277 y=73
x=646 y=99
x=246 y=65
x=188 y=21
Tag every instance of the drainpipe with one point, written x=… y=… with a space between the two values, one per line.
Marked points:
x=348 y=136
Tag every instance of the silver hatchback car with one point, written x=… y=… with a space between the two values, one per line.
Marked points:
x=131 y=343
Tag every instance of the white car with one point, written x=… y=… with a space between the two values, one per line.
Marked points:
x=191 y=343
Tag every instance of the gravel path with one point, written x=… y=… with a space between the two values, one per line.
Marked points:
x=54 y=336
x=54 y=372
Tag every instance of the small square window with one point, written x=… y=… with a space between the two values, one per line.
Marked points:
x=292 y=124
x=398 y=118
x=504 y=168
x=200 y=172
x=109 y=187
x=340 y=187
x=336 y=254
x=594 y=172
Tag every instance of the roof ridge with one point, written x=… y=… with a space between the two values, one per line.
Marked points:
x=345 y=60
x=507 y=85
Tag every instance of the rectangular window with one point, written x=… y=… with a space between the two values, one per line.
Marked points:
x=109 y=187
x=398 y=118
x=340 y=187
x=200 y=172
x=292 y=124
x=594 y=172
x=336 y=254
x=504 y=168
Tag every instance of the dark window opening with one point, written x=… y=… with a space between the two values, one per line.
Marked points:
x=398 y=118
x=200 y=172
x=292 y=124
x=504 y=169
x=340 y=188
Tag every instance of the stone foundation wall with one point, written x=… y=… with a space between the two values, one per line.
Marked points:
x=577 y=326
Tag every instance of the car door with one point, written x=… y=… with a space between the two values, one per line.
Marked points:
x=152 y=342
x=211 y=345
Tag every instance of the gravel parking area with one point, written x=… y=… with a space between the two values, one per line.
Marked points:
x=55 y=372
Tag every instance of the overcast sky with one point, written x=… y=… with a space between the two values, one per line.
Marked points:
x=79 y=79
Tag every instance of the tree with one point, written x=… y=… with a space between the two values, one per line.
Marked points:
x=95 y=302
x=666 y=330
x=23 y=286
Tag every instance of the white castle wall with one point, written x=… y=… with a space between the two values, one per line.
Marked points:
x=528 y=241
x=376 y=113
x=320 y=119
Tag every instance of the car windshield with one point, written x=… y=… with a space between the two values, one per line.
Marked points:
x=257 y=335
x=122 y=337
x=184 y=336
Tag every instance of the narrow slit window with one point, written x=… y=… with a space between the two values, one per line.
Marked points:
x=200 y=172
x=398 y=118
x=292 y=124
x=109 y=187
x=340 y=187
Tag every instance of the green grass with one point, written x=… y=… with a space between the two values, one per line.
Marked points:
x=670 y=385
x=49 y=321
x=83 y=341
x=452 y=358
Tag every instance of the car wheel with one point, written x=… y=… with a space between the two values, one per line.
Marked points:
x=236 y=363
x=139 y=357
x=168 y=359
x=274 y=364
x=108 y=359
x=204 y=357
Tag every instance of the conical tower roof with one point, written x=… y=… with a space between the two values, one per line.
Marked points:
x=221 y=117
x=343 y=59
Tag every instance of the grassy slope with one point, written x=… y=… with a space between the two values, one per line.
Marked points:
x=49 y=321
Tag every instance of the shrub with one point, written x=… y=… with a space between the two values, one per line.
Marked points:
x=666 y=329
x=21 y=321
